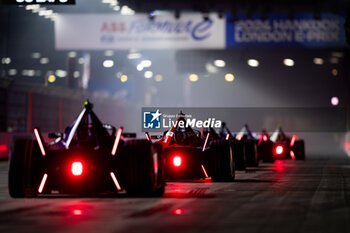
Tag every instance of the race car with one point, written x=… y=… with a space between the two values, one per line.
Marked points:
x=287 y=147
x=236 y=146
x=188 y=156
x=90 y=158
x=265 y=147
x=249 y=146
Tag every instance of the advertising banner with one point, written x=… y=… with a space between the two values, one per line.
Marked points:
x=111 y=31
x=303 y=30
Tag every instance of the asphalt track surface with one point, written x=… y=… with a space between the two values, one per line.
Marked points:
x=287 y=196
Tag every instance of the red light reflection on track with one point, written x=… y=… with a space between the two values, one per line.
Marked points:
x=178 y=211
x=279 y=165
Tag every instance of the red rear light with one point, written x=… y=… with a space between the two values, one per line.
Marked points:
x=77 y=168
x=177 y=161
x=265 y=138
x=279 y=150
x=292 y=155
x=178 y=211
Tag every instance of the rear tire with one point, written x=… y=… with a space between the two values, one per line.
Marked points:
x=265 y=151
x=251 y=153
x=299 y=150
x=222 y=164
x=144 y=175
x=21 y=178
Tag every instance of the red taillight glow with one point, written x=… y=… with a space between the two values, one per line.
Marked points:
x=292 y=155
x=292 y=141
x=38 y=138
x=114 y=178
x=42 y=183
x=77 y=212
x=279 y=150
x=117 y=139
x=148 y=137
x=205 y=172
x=178 y=211
x=177 y=161
x=77 y=168
x=227 y=136
x=265 y=138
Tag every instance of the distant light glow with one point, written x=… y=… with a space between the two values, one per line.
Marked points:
x=76 y=74
x=61 y=73
x=44 y=60
x=292 y=155
x=193 y=77
x=51 y=78
x=148 y=74
x=229 y=77
x=178 y=211
x=253 y=62
x=36 y=55
x=6 y=60
x=40 y=143
x=334 y=101
x=146 y=63
x=125 y=10
x=288 y=62
x=123 y=78
x=134 y=56
x=220 y=63
x=72 y=54
x=77 y=212
x=337 y=54
x=81 y=60
x=318 y=61
x=12 y=71
x=204 y=171
x=29 y=73
x=334 y=60
x=158 y=78
x=116 y=142
x=108 y=63
x=334 y=72
x=210 y=68
x=139 y=67
x=109 y=53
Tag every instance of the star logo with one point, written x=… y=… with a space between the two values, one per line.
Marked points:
x=151 y=120
x=156 y=115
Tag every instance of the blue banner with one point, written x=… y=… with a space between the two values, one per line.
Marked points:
x=280 y=31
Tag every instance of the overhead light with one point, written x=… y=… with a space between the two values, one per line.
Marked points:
x=158 y=78
x=337 y=54
x=81 y=60
x=134 y=56
x=108 y=63
x=220 y=63
x=125 y=10
x=253 y=62
x=334 y=60
x=334 y=72
x=61 y=73
x=210 y=68
x=229 y=77
x=109 y=53
x=193 y=77
x=12 y=71
x=123 y=78
x=6 y=60
x=36 y=55
x=146 y=63
x=29 y=73
x=139 y=67
x=72 y=54
x=288 y=62
x=51 y=78
x=76 y=74
x=334 y=101
x=318 y=61
x=148 y=74
x=44 y=60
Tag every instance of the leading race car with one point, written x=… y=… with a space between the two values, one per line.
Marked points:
x=287 y=147
x=249 y=146
x=90 y=158
x=187 y=155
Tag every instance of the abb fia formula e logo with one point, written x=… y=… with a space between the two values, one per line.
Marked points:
x=152 y=120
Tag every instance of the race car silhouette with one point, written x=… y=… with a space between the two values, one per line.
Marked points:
x=287 y=147
x=90 y=158
x=187 y=155
x=265 y=147
x=250 y=149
